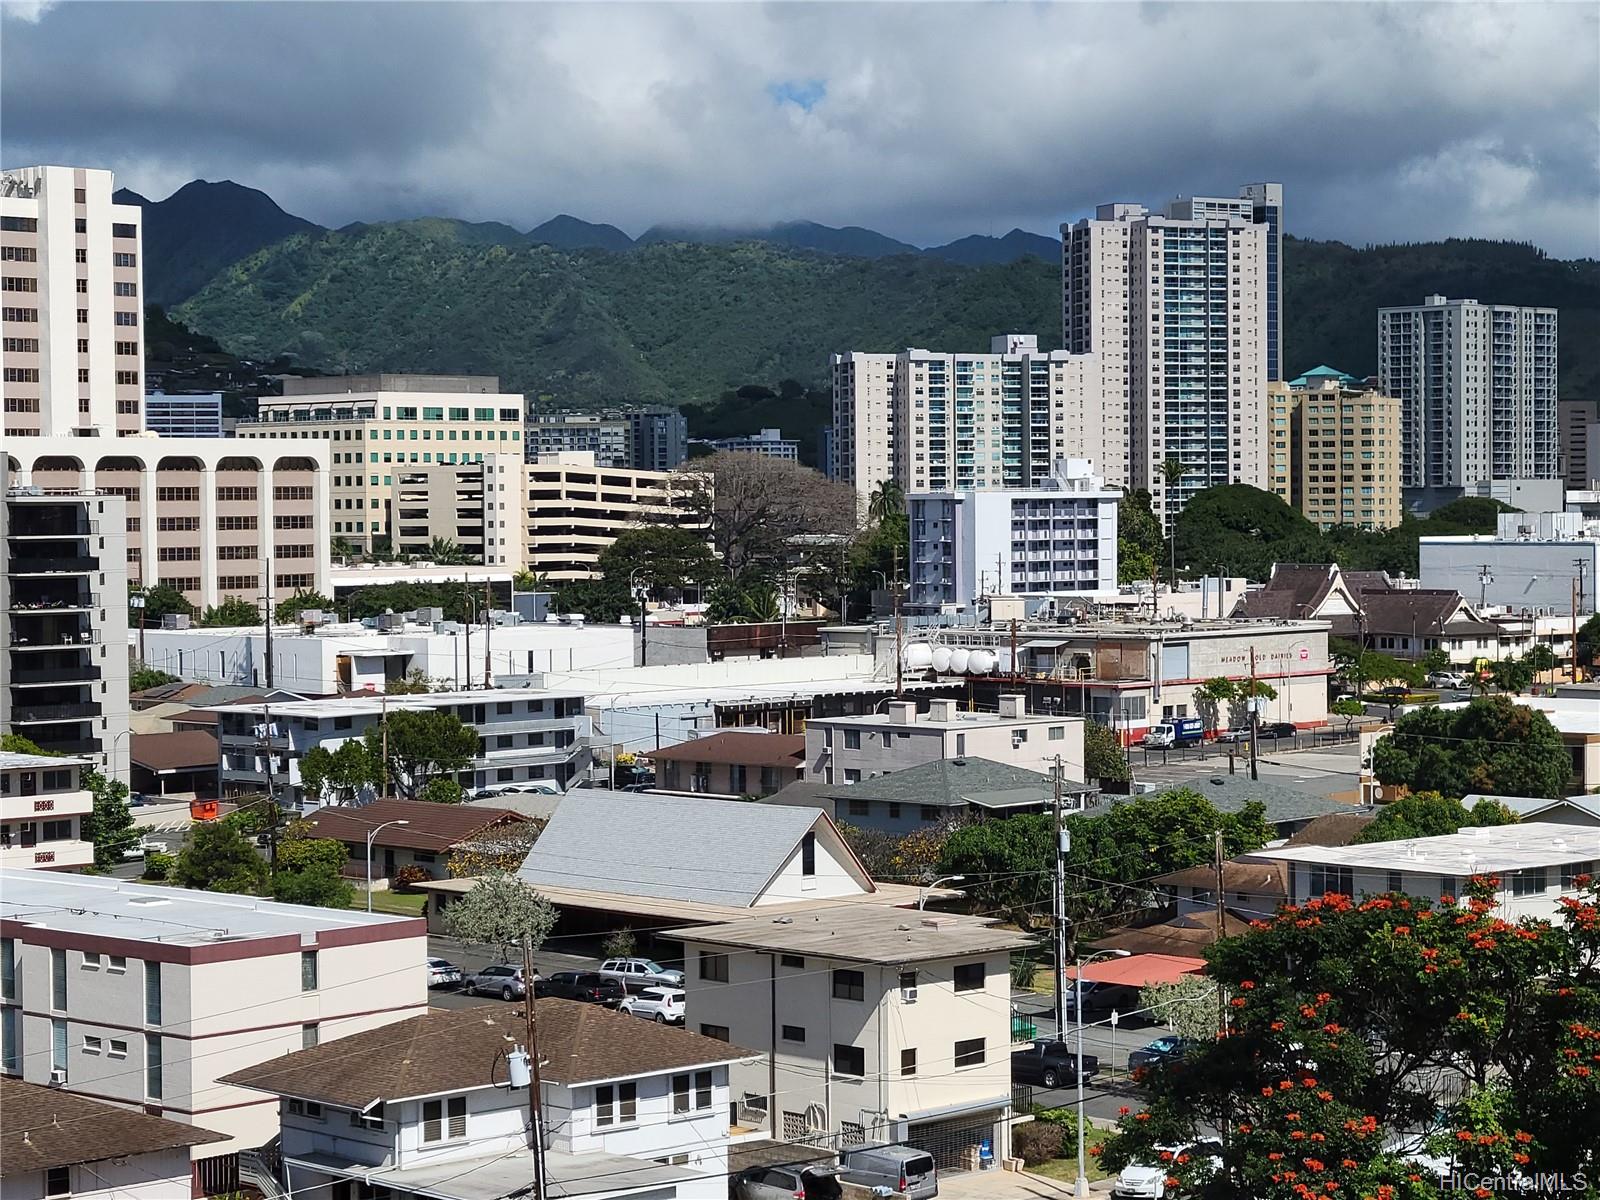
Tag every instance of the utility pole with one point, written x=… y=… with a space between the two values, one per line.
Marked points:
x=383 y=732
x=1583 y=567
x=1577 y=674
x=1059 y=909
x=899 y=662
x=1222 y=1005
x=466 y=596
x=535 y=1085
x=1484 y=580
x=1255 y=716
x=1014 y=646
x=488 y=620
x=272 y=800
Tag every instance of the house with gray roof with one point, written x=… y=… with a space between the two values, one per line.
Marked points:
x=1288 y=810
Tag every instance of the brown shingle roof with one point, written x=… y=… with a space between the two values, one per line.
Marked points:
x=1399 y=611
x=735 y=746
x=1253 y=878
x=1294 y=590
x=431 y=827
x=185 y=750
x=447 y=1050
x=1186 y=935
x=1335 y=829
x=47 y=1127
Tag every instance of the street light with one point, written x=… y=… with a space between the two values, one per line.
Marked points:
x=922 y=892
x=372 y=833
x=1081 y=1188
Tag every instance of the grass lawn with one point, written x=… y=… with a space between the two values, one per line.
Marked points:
x=392 y=903
x=1066 y=1169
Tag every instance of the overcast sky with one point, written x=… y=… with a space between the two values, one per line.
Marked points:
x=926 y=121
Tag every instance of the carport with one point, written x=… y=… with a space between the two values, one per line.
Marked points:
x=1140 y=970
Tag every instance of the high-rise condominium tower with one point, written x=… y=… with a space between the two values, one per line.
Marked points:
x=1477 y=389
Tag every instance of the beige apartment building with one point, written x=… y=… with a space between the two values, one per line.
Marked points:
x=381 y=425
x=864 y=434
x=72 y=318
x=1335 y=450
x=555 y=516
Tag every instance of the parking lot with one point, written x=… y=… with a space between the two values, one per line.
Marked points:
x=1327 y=768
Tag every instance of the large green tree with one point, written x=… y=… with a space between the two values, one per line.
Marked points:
x=668 y=559
x=1104 y=759
x=421 y=745
x=160 y=600
x=1241 y=530
x=310 y=871
x=499 y=913
x=220 y=858
x=289 y=610
x=1428 y=814
x=1492 y=745
x=338 y=776
x=109 y=825
x=1141 y=548
x=233 y=611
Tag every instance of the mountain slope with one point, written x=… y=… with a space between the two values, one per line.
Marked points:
x=570 y=233
x=200 y=229
x=978 y=249
x=800 y=235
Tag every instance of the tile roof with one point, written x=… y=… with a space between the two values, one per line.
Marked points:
x=736 y=746
x=448 y=1050
x=429 y=826
x=49 y=1127
x=185 y=750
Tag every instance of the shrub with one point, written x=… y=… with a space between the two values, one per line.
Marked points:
x=158 y=865
x=618 y=944
x=1037 y=1142
x=405 y=876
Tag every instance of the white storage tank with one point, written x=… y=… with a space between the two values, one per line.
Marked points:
x=941 y=659
x=981 y=662
x=958 y=660
x=918 y=656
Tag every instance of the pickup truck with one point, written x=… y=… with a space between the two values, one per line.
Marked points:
x=1050 y=1064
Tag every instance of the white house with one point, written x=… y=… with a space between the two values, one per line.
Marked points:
x=1537 y=864
x=629 y=1108
x=42 y=807
x=62 y=1144
x=850 y=749
x=872 y=1024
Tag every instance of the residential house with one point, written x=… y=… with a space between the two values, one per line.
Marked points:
x=146 y=995
x=1252 y=890
x=730 y=763
x=42 y=807
x=1287 y=809
x=1571 y=810
x=842 y=750
x=872 y=1024
x=407 y=833
x=182 y=762
x=59 y=1143
x=1537 y=865
x=430 y=1107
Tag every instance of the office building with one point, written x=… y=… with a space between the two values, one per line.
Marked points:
x=378 y=425
x=42 y=807
x=1175 y=305
x=183 y=414
x=63 y=592
x=1477 y=387
x=660 y=438
x=648 y=439
x=438 y=502
x=147 y=996
x=1579 y=425
x=1335 y=450
x=769 y=443
x=73 y=314
x=555 y=516
x=1538 y=561
x=1053 y=540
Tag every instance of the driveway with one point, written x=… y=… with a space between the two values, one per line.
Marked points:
x=1009 y=1185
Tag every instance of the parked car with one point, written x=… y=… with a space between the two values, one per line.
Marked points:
x=1102 y=999
x=812 y=1181
x=661 y=1004
x=140 y=848
x=1162 y=1050
x=898 y=1168
x=636 y=973
x=442 y=972
x=1233 y=736
x=1141 y=1181
x=536 y=787
x=1050 y=1063
x=589 y=986
x=135 y=799
x=1447 y=679
x=502 y=979
x=1278 y=729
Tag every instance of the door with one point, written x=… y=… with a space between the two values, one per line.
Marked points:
x=388 y=862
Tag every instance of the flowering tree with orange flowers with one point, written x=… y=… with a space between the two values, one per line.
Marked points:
x=1359 y=1030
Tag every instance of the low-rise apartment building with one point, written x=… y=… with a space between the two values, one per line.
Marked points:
x=871 y=1024
x=42 y=807
x=1335 y=452
x=730 y=762
x=841 y=750
x=769 y=443
x=523 y=734
x=378 y=425
x=147 y=996
x=628 y=1108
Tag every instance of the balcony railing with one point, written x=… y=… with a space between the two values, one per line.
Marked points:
x=54 y=603
x=88 y=671
x=81 y=565
x=56 y=712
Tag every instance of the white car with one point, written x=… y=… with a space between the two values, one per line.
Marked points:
x=1447 y=679
x=441 y=972
x=659 y=1004
x=1140 y=1181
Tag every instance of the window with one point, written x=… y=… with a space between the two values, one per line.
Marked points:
x=851 y=775
x=908 y=1061
x=152 y=1065
x=152 y=993
x=969 y=1053
x=8 y=969
x=91 y=960
x=849 y=985
x=852 y=739
x=616 y=1104
x=372 y=1118
x=691 y=1093
x=1057 y=732
x=308 y=970
x=859 y=808
x=930 y=812
x=793 y=1033
x=808 y=854
x=969 y=977
x=849 y=1060
x=1572 y=870
x=442 y=1119
x=791 y=960
x=58 y=1181
x=118 y=1049
x=91 y=1045
x=1395 y=883
x=10 y=1059
x=58 y=980
x=310 y=1035
x=1528 y=882
x=1325 y=879
x=720 y=1032
x=908 y=983
x=58 y=1045
x=713 y=966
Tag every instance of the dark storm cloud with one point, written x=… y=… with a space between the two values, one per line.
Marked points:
x=927 y=121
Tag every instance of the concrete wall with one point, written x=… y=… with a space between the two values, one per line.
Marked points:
x=160 y=1175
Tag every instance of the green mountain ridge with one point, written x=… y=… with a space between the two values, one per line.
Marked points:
x=684 y=322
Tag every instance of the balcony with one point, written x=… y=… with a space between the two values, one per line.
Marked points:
x=24 y=528
x=46 y=713
x=47 y=675
x=80 y=565
x=68 y=745
x=86 y=637
x=54 y=603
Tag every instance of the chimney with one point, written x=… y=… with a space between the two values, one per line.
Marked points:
x=941 y=710
x=1013 y=706
x=902 y=712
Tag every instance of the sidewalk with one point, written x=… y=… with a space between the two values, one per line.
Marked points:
x=1011 y=1185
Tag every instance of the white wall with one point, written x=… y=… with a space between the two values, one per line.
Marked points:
x=159 y=1175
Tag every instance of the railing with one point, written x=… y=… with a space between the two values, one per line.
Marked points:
x=55 y=674
x=1023 y=1026
x=56 y=604
x=84 y=637
x=56 y=712
x=262 y=1169
x=42 y=566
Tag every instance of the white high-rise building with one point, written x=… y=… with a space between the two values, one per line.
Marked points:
x=74 y=363
x=1477 y=388
x=863 y=420
x=1175 y=305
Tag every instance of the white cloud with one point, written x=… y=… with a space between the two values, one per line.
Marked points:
x=25 y=10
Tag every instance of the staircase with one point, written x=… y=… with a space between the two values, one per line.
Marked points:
x=262 y=1169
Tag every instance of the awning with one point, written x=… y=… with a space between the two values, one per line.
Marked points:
x=1140 y=970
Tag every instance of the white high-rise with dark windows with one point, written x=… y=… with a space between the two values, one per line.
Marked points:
x=1477 y=390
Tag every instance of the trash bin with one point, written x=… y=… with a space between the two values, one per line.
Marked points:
x=986 y=1155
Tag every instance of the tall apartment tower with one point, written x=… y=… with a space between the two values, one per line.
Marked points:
x=1175 y=305
x=863 y=420
x=74 y=365
x=1336 y=450
x=1477 y=388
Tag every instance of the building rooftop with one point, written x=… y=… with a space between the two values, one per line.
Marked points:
x=497 y=1176
x=429 y=826
x=185 y=750
x=100 y=906
x=373 y=703
x=958 y=719
x=12 y=760
x=1532 y=806
x=1230 y=793
x=862 y=933
x=1470 y=851
x=954 y=783
x=50 y=1127
x=736 y=746
x=1576 y=715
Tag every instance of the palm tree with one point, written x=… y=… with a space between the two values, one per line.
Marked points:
x=888 y=501
x=445 y=552
x=1172 y=473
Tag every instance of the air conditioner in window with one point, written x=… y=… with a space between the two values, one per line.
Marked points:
x=908 y=995
x=58 y=1077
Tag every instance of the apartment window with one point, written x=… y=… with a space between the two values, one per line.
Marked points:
x=152 y=993
x=713 y=966
x=1325 y=879
x=91 y=960
x=969 y=1053
x=127 y=318
x=969 y=977
x=930 y=812
x=616 y=1104
x=372 y=1118
x=793 y=1033
x=8 y=969
x=1571 y=871
x=58 y=1045
x=1057 y=732
x=908 y=1061
x=58 y=980
x=792 y=960
x=308 y=970
x=849 y=1060
x=310 y=1035
x=92 y=1045
x=118 y=1049
x=691 y=1093
x=808 y=855
x=720 y=1032
x=125 y=289
x=852 y=739
x=849 y=985
x=1528 y=882
x=152 y=1065
x=10 y=1058
x=119 y=229
x=859 y=808
x=444 y=1119
x=58 y=1181
x=1395 y=883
